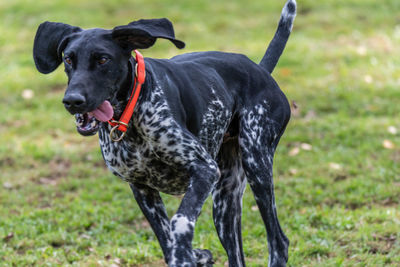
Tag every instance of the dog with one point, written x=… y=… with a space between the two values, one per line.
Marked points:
x=204 y=123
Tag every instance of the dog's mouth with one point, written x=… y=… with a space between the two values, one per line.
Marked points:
x=88 y=124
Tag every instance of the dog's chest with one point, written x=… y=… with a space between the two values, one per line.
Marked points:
x=157 y=151
x=135 y=160
x=154 y=150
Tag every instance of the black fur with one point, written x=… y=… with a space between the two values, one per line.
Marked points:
x=205 y=123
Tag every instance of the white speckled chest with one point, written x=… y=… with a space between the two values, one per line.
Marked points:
x=157 y=151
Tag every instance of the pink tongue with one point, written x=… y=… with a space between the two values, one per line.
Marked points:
x=104 y=112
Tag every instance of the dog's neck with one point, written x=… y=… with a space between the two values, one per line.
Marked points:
x=125 y=90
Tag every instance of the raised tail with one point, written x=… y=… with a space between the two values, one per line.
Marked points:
x=275 y=48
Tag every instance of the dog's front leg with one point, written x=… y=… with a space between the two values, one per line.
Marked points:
x=203 y=175
x=152 y=206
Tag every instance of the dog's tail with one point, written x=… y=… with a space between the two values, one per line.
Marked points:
x=275 y=48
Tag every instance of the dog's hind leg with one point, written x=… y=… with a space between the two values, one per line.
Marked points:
x=258 y=138
x=227 y=207
x=152 y=206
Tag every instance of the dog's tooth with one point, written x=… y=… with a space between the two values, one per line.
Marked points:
x=79 y=117
x=78 y=121
x=94 y=123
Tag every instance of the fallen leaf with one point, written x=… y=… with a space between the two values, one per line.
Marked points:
x=362 y=50
x=117 y=261
x=27 y=94
x=85 y=236
x=368 y=79
x=306 y=146
x=392 y=130
x=294 y=108
x=145 y=224
x=48 y=181
x=311 y=114
x=285 y=72
x=7 y=185
x=254 y=208
x=293 y=171
x=387 y=144
x=294 y=151
x=335 y=166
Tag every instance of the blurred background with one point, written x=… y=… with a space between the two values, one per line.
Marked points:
x=337 y=168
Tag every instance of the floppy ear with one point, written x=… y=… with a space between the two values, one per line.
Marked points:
x=46 y=47
x=144 y=33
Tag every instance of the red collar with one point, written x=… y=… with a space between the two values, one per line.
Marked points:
x=122 y=124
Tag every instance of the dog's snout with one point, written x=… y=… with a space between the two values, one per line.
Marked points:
x=73 y=101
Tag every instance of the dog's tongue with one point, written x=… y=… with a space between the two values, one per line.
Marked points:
x=104 y=112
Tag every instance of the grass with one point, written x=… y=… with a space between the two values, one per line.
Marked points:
x=337 y=169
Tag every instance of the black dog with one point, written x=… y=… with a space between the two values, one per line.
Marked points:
x=205 y=123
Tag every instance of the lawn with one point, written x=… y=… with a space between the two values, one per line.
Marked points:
x=337 y=168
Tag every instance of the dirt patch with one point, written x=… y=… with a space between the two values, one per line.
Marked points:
x=390 y=202
x=100 y=164
x=58 y=168
x=349 y=205
x=381 y=244
x=395 y=156
x=8 y=237
x=340 y=177
x=7 y=162
x=159 y=263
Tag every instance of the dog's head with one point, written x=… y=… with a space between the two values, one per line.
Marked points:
x=96 y=62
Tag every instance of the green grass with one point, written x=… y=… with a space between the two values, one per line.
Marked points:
x=338 y=200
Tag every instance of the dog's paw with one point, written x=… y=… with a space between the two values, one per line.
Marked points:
x=203 y=258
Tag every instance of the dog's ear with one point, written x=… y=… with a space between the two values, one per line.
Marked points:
x=47 y=47
x=144 y=33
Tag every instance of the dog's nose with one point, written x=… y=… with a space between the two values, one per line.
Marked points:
x=74 y=100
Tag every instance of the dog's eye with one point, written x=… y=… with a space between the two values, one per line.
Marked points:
x=68 y=60
x=102 y=60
